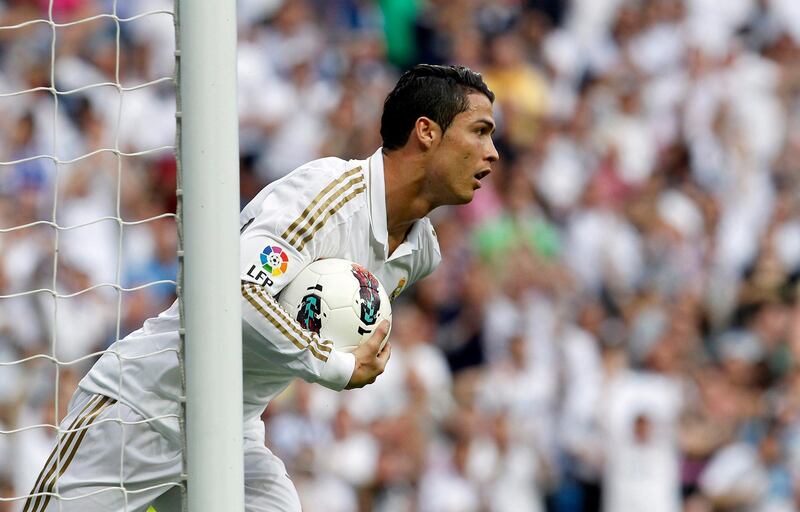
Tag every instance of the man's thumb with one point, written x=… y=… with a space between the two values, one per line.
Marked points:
x=380 y=332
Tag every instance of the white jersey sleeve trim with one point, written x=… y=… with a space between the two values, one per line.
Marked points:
x=338 y=370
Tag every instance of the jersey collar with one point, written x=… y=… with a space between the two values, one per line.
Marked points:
x=377 y=191
x=377 y=198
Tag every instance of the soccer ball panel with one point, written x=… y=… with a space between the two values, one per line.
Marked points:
x=340 y=300
x=330 y=266
x=339 y=288
x=340 y=328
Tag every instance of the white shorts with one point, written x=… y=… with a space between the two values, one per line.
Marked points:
x=107 y=466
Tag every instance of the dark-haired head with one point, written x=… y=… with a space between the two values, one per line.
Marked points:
x=439 y=93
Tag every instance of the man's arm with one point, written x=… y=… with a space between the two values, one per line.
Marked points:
x=282 y=237
x=284 y=341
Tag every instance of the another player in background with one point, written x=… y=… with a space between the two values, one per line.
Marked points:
x=437 y=130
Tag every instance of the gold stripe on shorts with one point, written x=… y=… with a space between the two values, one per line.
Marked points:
x=89 y=403
x=44 y=486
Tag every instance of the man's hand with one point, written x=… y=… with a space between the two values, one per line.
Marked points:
x=370 y=360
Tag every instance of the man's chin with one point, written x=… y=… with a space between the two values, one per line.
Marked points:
x=465 y=197
x=459 y=197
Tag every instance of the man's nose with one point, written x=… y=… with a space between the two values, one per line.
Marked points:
x=492 y=156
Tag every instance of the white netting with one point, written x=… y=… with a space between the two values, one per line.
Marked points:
x=88 y=238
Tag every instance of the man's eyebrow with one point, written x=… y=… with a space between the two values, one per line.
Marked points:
x=487 y=122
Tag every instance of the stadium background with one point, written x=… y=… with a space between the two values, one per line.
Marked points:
x=615 y=324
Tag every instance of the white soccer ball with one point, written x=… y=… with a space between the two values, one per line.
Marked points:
x=339 y=300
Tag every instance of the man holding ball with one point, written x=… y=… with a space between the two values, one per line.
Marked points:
x=436 y=127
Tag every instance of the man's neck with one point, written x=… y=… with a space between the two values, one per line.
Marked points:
x=404 y=177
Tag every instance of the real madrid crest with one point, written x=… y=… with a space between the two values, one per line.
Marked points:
x=399 y=288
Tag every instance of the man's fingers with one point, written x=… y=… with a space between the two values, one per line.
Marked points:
x=371 y=358
x=379 y=334
x=386 y=352
x=383 y=329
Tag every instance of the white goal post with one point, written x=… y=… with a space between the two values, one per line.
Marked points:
x=208 y=160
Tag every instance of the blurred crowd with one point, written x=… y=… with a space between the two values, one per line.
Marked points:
x=615 y=325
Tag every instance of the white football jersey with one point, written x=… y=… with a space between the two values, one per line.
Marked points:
x=328 y=208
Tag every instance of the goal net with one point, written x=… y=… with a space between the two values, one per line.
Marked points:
x=88 y=235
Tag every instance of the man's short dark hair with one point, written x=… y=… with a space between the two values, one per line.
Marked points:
x=426 y=90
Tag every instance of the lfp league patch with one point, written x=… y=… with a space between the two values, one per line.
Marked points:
x=274 y=260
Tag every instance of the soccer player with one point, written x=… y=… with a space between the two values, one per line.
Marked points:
x=437 y=129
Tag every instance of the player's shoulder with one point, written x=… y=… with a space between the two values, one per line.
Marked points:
x=326 y=166
x=309 y=202
x=318 y=179
x=324 y=177
x=322 y=170
x=332 y=187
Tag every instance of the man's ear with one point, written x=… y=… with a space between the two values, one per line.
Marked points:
x=427 y=132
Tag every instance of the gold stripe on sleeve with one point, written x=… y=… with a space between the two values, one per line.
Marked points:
x=301 y=218
x=311 y=221
x=328 y=215
x=310 y=339
x=250 y=294
x=246 y=292
x=279 y=312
